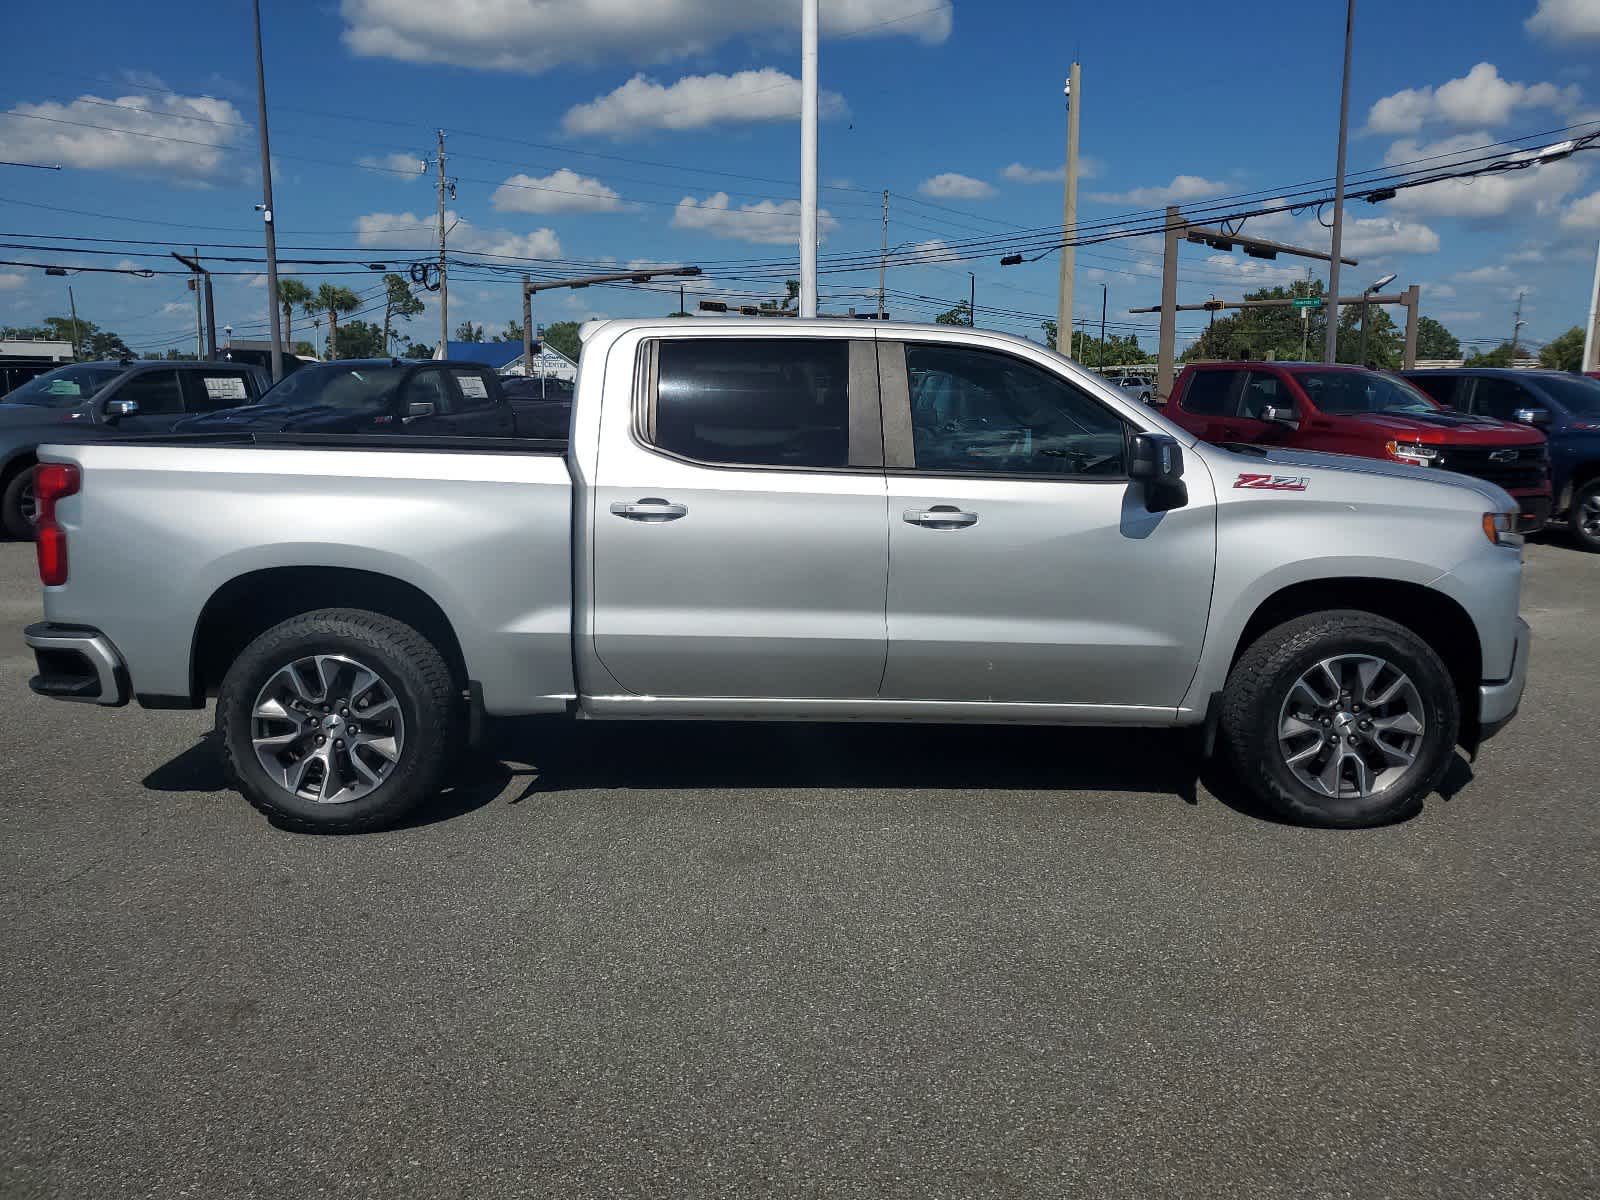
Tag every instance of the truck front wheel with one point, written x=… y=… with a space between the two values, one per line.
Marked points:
x=338 y=720
x=1585 y=516
x=18 y=508
x=1341 y=718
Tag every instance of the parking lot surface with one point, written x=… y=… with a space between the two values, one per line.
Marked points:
x=675 y=960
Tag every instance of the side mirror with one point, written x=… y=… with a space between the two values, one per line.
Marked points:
x=419 y=408
x=1533 y=416
x=115 y=410
x=1280 y=416
x=1156 y=460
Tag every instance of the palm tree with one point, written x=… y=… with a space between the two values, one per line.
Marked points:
x=291 y=293
x=333 y=300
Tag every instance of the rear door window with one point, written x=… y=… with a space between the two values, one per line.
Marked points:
x=475 y=387
x=1500 y=398
x=208 y=391
x=771 y=402
x=1212 y=393
x=154 y=391
x=1262 y=391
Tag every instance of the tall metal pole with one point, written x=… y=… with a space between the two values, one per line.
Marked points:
x=1069 y=213
x=1516 y=328
x=883 y=260
x=1166 y=352
x=808 y=158
x=1102 y=324
x=77 y=340
x=972 y=300
x=266 y=205
x=211 y=320
x=1330 y=350
x=199 y=320
x=444 y=281
x=1413 y=302
x=527 y=326
x=1591 y=337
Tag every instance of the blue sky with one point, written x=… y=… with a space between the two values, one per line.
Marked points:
x=626 y=131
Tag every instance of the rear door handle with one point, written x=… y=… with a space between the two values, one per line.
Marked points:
x=650 y=509
x=940 y=516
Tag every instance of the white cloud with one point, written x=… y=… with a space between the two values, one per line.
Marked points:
x=932 y=250
x=1438 y=291
x=1459 y=315
x=952 y=185
x=559 y=191
x=695 y=102
x=769 y=222
x=1583 y=213
x=535 y=35
x=1254 y=272
x=1539 y=189
x=1565 y=20
x=1018 y=173
x=405 y=166
x=11 y=279
x=379 y=229
x=56 y=133
x=1480 y=97
x=1377 y=236
x=1182 y=188
x=1494 y=274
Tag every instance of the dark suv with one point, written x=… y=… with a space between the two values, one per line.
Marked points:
x=1566 y=407
x=106 y=399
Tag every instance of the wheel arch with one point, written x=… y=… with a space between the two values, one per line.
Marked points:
x=248 y=605
x=1430 y=614
x=19 y=461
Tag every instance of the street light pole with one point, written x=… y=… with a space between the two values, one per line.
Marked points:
x=972 y=300
x=266 y=205
x=1331 y=347
x=1102 y=324
x=1069 y=215
x=808 y=158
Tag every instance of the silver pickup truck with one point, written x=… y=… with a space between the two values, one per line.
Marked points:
x=785 y=520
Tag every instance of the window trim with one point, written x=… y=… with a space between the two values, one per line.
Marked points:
x=900 y=452
x=863 y=413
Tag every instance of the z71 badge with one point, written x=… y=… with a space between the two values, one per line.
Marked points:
x=1272 y=483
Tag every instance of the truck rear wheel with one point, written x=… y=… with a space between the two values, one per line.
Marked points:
x=338 y=720
x=1342 y=719
x=1585 y=516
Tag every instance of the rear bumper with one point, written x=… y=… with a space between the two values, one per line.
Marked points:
x=1498 y=702
x=77 y=662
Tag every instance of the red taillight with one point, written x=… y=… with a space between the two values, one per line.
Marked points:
x=52 y=481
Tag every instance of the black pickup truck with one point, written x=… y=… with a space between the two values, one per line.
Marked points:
x=109 y=399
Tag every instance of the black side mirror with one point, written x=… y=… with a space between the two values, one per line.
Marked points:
x=1533 y=415
x=1280 y=416
x=1156 y=460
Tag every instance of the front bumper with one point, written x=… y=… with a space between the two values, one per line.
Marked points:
x=77 y=662
x=1533 y=511
x=1498 y=702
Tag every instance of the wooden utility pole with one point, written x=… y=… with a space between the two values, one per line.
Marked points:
x=444 y=282
x=1413 y=302
x=77 y=341
x=267 y=210
x=1330 y=350
x=527 y=325
x=1166 y=352
x=1591 y=336
x=883 y=258
x=1069 y=213
x=808 y=157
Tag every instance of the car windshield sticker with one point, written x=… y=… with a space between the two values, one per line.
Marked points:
x=472 y=386
x=1272 y=483
x=224 y=387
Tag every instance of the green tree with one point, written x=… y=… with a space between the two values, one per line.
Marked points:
x=961 y=314
x=333 y=300
x=417 y=350
x=305 y=350
x=1500 y=356
x=1384 y=345
x=1564 y=353
x=562 y=337
x=511 y=333
x=91 y=341
x=468 y=332
x=1255 y=333
x=359 y=339
x=1435 y=341
x=399 y=301
x=292 y=294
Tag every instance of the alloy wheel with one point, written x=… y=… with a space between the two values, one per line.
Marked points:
x=28 y=502
x=1589 y=515
x=327 y=728
x=1351 y=726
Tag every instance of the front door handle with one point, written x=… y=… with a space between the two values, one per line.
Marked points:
x=941 y=516
x=650 y=509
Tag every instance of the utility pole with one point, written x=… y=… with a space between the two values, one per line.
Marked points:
x=1591 y=336
x=883 y=258
x=444 y=282
x=207 y=348
x=527 y=324
x=1516 y=328
x=1412 y=299
x=266 y=206
x=972 y=300
x=1330 y=350
x=808 y=158
x=1069 y=212
x=1102 y=324
x=77 y=338
x=1169 y=304
x=681 y=308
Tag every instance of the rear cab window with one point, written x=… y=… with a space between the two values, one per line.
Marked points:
x=209 y=391
x=474 y=386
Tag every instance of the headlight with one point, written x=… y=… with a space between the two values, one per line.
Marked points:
x=1501 y=529
x=1411 y=452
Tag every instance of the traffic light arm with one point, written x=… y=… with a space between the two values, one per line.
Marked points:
x=1221 y=239
x=1214 y=305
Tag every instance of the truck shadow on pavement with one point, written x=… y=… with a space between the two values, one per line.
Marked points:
x=528 y=757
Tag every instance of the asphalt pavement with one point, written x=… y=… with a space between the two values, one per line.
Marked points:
x=747 y=961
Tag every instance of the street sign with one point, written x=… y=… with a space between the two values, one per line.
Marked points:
x=1306 y=302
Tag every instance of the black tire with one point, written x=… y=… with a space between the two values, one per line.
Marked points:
x=412 y=668
x=1582 y=498
x=1261 y=680
x=12 y=516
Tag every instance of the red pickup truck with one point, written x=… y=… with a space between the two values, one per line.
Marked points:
x=1371 y=414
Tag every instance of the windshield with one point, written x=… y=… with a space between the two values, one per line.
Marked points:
x=1342 y=393
x=1579 y=396
x=352 y=387
x=65 y=387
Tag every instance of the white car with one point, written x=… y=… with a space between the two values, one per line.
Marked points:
x=1135 y=387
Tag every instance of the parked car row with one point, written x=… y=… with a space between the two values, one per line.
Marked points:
x=1534 y=433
